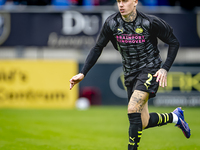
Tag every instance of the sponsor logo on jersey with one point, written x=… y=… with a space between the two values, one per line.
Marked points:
x=130 y=38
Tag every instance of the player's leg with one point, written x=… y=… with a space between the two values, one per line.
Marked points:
x=145 y=116
x=177 y=117
x=158 y=119
x=149 y=84
x=135 y=107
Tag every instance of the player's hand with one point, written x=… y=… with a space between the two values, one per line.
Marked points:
x=76 y=79
x=161 y=75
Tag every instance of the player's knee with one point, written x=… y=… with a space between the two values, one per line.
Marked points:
x=133 y=110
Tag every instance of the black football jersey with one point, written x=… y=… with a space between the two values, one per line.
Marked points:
x=136 y=41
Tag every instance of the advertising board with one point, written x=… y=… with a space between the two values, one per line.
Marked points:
x=183 y=85
x=76 y=29
x=37 y=84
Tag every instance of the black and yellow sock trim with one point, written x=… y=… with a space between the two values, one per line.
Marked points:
x=157 y=119
x=163 y=119
x=135 y=130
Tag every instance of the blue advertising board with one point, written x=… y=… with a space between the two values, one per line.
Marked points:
x=80 y=29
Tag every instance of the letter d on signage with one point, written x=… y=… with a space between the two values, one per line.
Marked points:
x=73 y=22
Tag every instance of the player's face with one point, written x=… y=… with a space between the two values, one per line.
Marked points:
x=126 y=6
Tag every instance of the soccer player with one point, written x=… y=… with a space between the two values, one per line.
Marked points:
x=134 y=34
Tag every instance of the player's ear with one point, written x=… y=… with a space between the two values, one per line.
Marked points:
x=135 y=2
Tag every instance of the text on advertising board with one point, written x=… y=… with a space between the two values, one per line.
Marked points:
x=37 y=84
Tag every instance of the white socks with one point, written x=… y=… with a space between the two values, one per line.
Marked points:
x=175 y=118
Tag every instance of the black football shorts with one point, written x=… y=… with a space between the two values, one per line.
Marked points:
x=143 y=81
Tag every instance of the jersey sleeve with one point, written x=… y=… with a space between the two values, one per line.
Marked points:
x=103 y=39
x=165 y=33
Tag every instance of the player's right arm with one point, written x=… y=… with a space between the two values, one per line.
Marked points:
x=95 y=52
x=93 y=55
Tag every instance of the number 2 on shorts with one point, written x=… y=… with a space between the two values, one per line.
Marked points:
x=148 y=81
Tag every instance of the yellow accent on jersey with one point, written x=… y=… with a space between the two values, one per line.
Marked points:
x=139 y=30
x=120 y=30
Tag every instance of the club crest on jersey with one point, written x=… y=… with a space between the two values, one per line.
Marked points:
x=139 y=30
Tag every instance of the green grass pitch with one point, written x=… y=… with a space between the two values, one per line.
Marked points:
x=99 y=128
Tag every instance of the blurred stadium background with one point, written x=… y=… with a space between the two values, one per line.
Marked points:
x=43 y=43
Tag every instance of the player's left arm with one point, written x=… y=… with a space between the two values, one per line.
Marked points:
x=161 y=75
x=164 y=32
